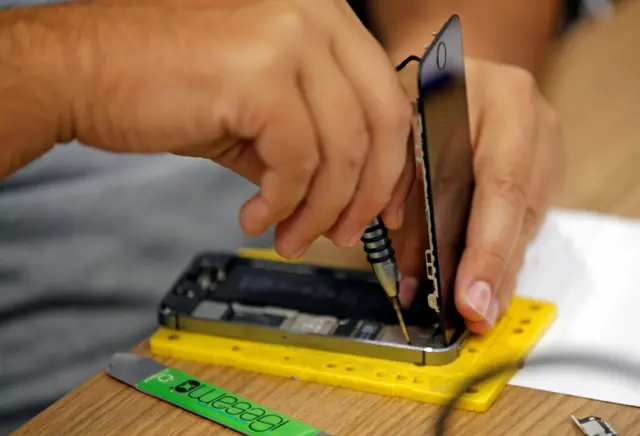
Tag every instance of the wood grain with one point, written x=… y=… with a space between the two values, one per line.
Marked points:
x=595 y=85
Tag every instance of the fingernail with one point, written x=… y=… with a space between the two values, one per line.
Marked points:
x=355 y=239
x=492 y=313
x=298 y=253
x=479 y=298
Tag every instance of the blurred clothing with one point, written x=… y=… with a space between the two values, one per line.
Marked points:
x=89 y=243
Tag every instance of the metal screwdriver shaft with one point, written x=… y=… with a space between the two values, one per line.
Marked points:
x=381 y=256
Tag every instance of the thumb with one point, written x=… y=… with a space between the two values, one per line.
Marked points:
x=497 y=214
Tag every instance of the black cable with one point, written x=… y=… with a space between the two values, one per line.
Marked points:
x=585 y=360
x=405 y=62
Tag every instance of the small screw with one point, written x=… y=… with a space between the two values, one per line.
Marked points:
x=166 y=311
x=204 y=281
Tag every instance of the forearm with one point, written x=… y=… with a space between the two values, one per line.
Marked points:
x=30 y=91
x=514 y=32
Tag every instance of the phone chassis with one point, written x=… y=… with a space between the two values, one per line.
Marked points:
x=302 y=305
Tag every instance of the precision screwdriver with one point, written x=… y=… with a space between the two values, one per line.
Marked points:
x=381 y=257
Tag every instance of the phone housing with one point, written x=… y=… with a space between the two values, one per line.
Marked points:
x=303 y=305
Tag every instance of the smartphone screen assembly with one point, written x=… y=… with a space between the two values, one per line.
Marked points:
x=445 y=160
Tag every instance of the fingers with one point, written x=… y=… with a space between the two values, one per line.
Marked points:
x=516 y=174
x=344 y=143
x=394 y=212
x=500 y=302
x=288 y=148
x=388 y=116
x=545 y=176
x=504 y=157
x=335 y=155
x=505 y=292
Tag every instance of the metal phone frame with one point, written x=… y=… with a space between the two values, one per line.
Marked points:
x=264 y=334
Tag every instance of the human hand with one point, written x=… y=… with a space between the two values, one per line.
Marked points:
x=518 y=161
x=296 y=96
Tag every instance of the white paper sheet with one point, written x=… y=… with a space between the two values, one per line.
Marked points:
x=589 y=265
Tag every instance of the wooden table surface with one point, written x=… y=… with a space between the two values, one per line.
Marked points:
x=596 y=87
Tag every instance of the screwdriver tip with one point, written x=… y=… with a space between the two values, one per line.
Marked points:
x=403 y=325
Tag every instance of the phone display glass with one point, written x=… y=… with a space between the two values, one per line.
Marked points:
x=446 y=158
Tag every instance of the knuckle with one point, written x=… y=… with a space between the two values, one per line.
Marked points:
x=304 y=163
x=494 y=256
x=354 y=154
x=513 y=191
x=288 y=22
x=291 y=25
x=394 y=118
x=307 y=163
x=284 y=29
